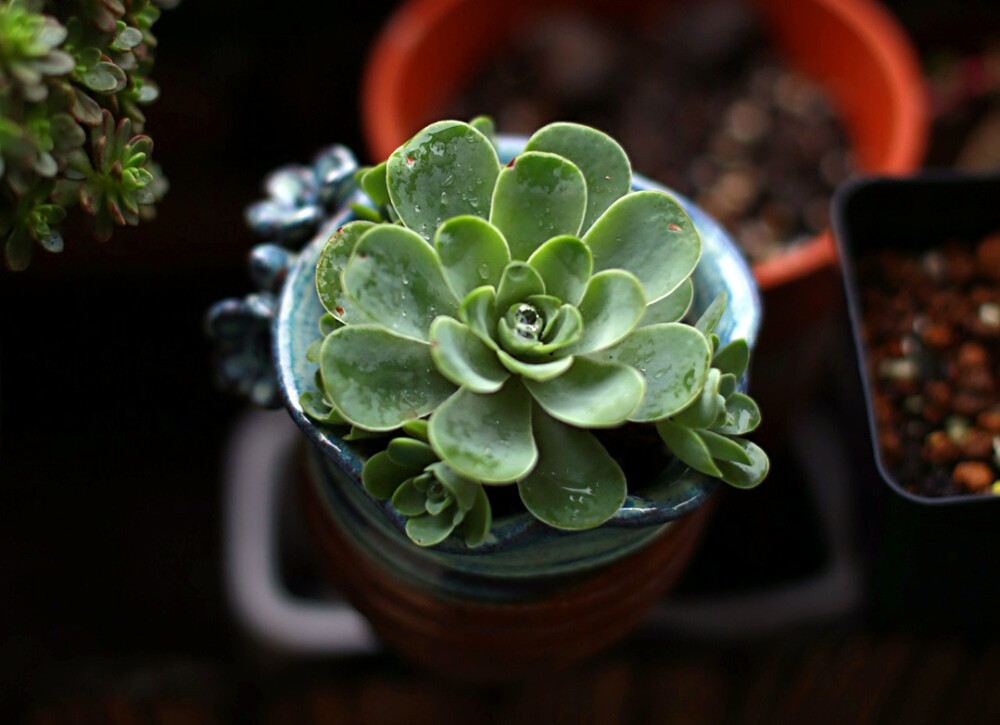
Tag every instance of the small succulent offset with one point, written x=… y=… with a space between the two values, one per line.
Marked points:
x=66 y=68
x=489 y=318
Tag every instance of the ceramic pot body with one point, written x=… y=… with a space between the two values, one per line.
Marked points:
x=430 y=48
x=935 y=562
x=545 y=583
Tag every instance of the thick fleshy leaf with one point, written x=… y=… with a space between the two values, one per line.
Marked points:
x=611 y=307
x=706 y=407
x=671 y=308
x=379 y=380
x=381 y=476
x=604 y=164
x=562 y=323
x=411 y=453
x=746 y=476
x=332 y=260
x=518 y=282
x=537 y=371
x=416 y=429
x=312 y=352
x=394 y=277
x=742 y=415
x=486 y=126
x=539 y=197
x=374 y=184
x=486 y=437
x=733 y=358
x=576 y=484
x=674 y=360
x=473 y=253
x=565 y=329
x=448 y=169
x=723 y=448
x=429 y=530
x=688 y=446
x=590 y=394
x=461 y=489
x=479 y=311
x=712 y=314
x=462 y=357
x=328 y=323
x=314 y=405
x=478 y=520
x=565 y=264
x=408 y=500
x=650 y=235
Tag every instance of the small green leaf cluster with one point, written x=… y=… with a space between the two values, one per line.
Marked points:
x=508 y=312
x=66 y=68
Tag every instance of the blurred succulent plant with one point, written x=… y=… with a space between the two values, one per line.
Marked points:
x=515 y=308
x=66 y=67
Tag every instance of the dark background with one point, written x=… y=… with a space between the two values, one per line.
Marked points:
x=110 y=430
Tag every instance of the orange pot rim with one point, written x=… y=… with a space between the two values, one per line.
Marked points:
x=384 y=128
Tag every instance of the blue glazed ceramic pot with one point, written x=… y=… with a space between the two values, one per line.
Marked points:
x=521 y=556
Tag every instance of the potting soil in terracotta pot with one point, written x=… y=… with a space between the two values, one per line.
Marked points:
x=699 y=100
x=932 y=322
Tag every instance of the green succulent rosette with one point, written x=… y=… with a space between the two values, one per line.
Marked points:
x=515 y=309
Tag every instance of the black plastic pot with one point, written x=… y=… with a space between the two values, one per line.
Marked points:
x=937 y=560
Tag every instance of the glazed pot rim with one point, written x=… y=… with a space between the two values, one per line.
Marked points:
x=688 y=489
x=844 y=234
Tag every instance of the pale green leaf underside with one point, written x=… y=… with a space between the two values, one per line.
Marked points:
x=541 y=196
x=712 y=314
x=332 y=260
x=674 y=360
x=604 y=164
x=723 y=448
x=486 y=437
x=462 y=357
x=650 y=235
x=472 y=252
x=448 y=169
x=612 y=306
x=565 y=264
x=590 y=394
x=671 y=308
x=378 y=380
x=576 y=483
x=394 y=278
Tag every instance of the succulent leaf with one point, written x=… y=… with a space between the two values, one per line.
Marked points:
x=478 y=311
x=394 y=278
x=688 y=446
x=518 y=282
x=706 y=407
x=602 y=160
x=537 y=371
x=673 y=359
x=478 y=520
x=448 y=169
x=486 y=437
x=407 y=499
x=612 y=306
x=410 y=453
x=373 y=181
x=733 y=358
x=380 y=380
x=565 y=264
x=746 y=476
x=712 y=314
x=541 y=196
x=382 y=477
x=576 y=484
x=473 y=253
x=663 y=244
x=431 y=529
x=463 y=358
x=742 y=415
x=590 y=394
x=671 y=308
x=724 y=449
x=332 y=260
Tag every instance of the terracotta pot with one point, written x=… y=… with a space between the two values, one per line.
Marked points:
x=430 y=48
